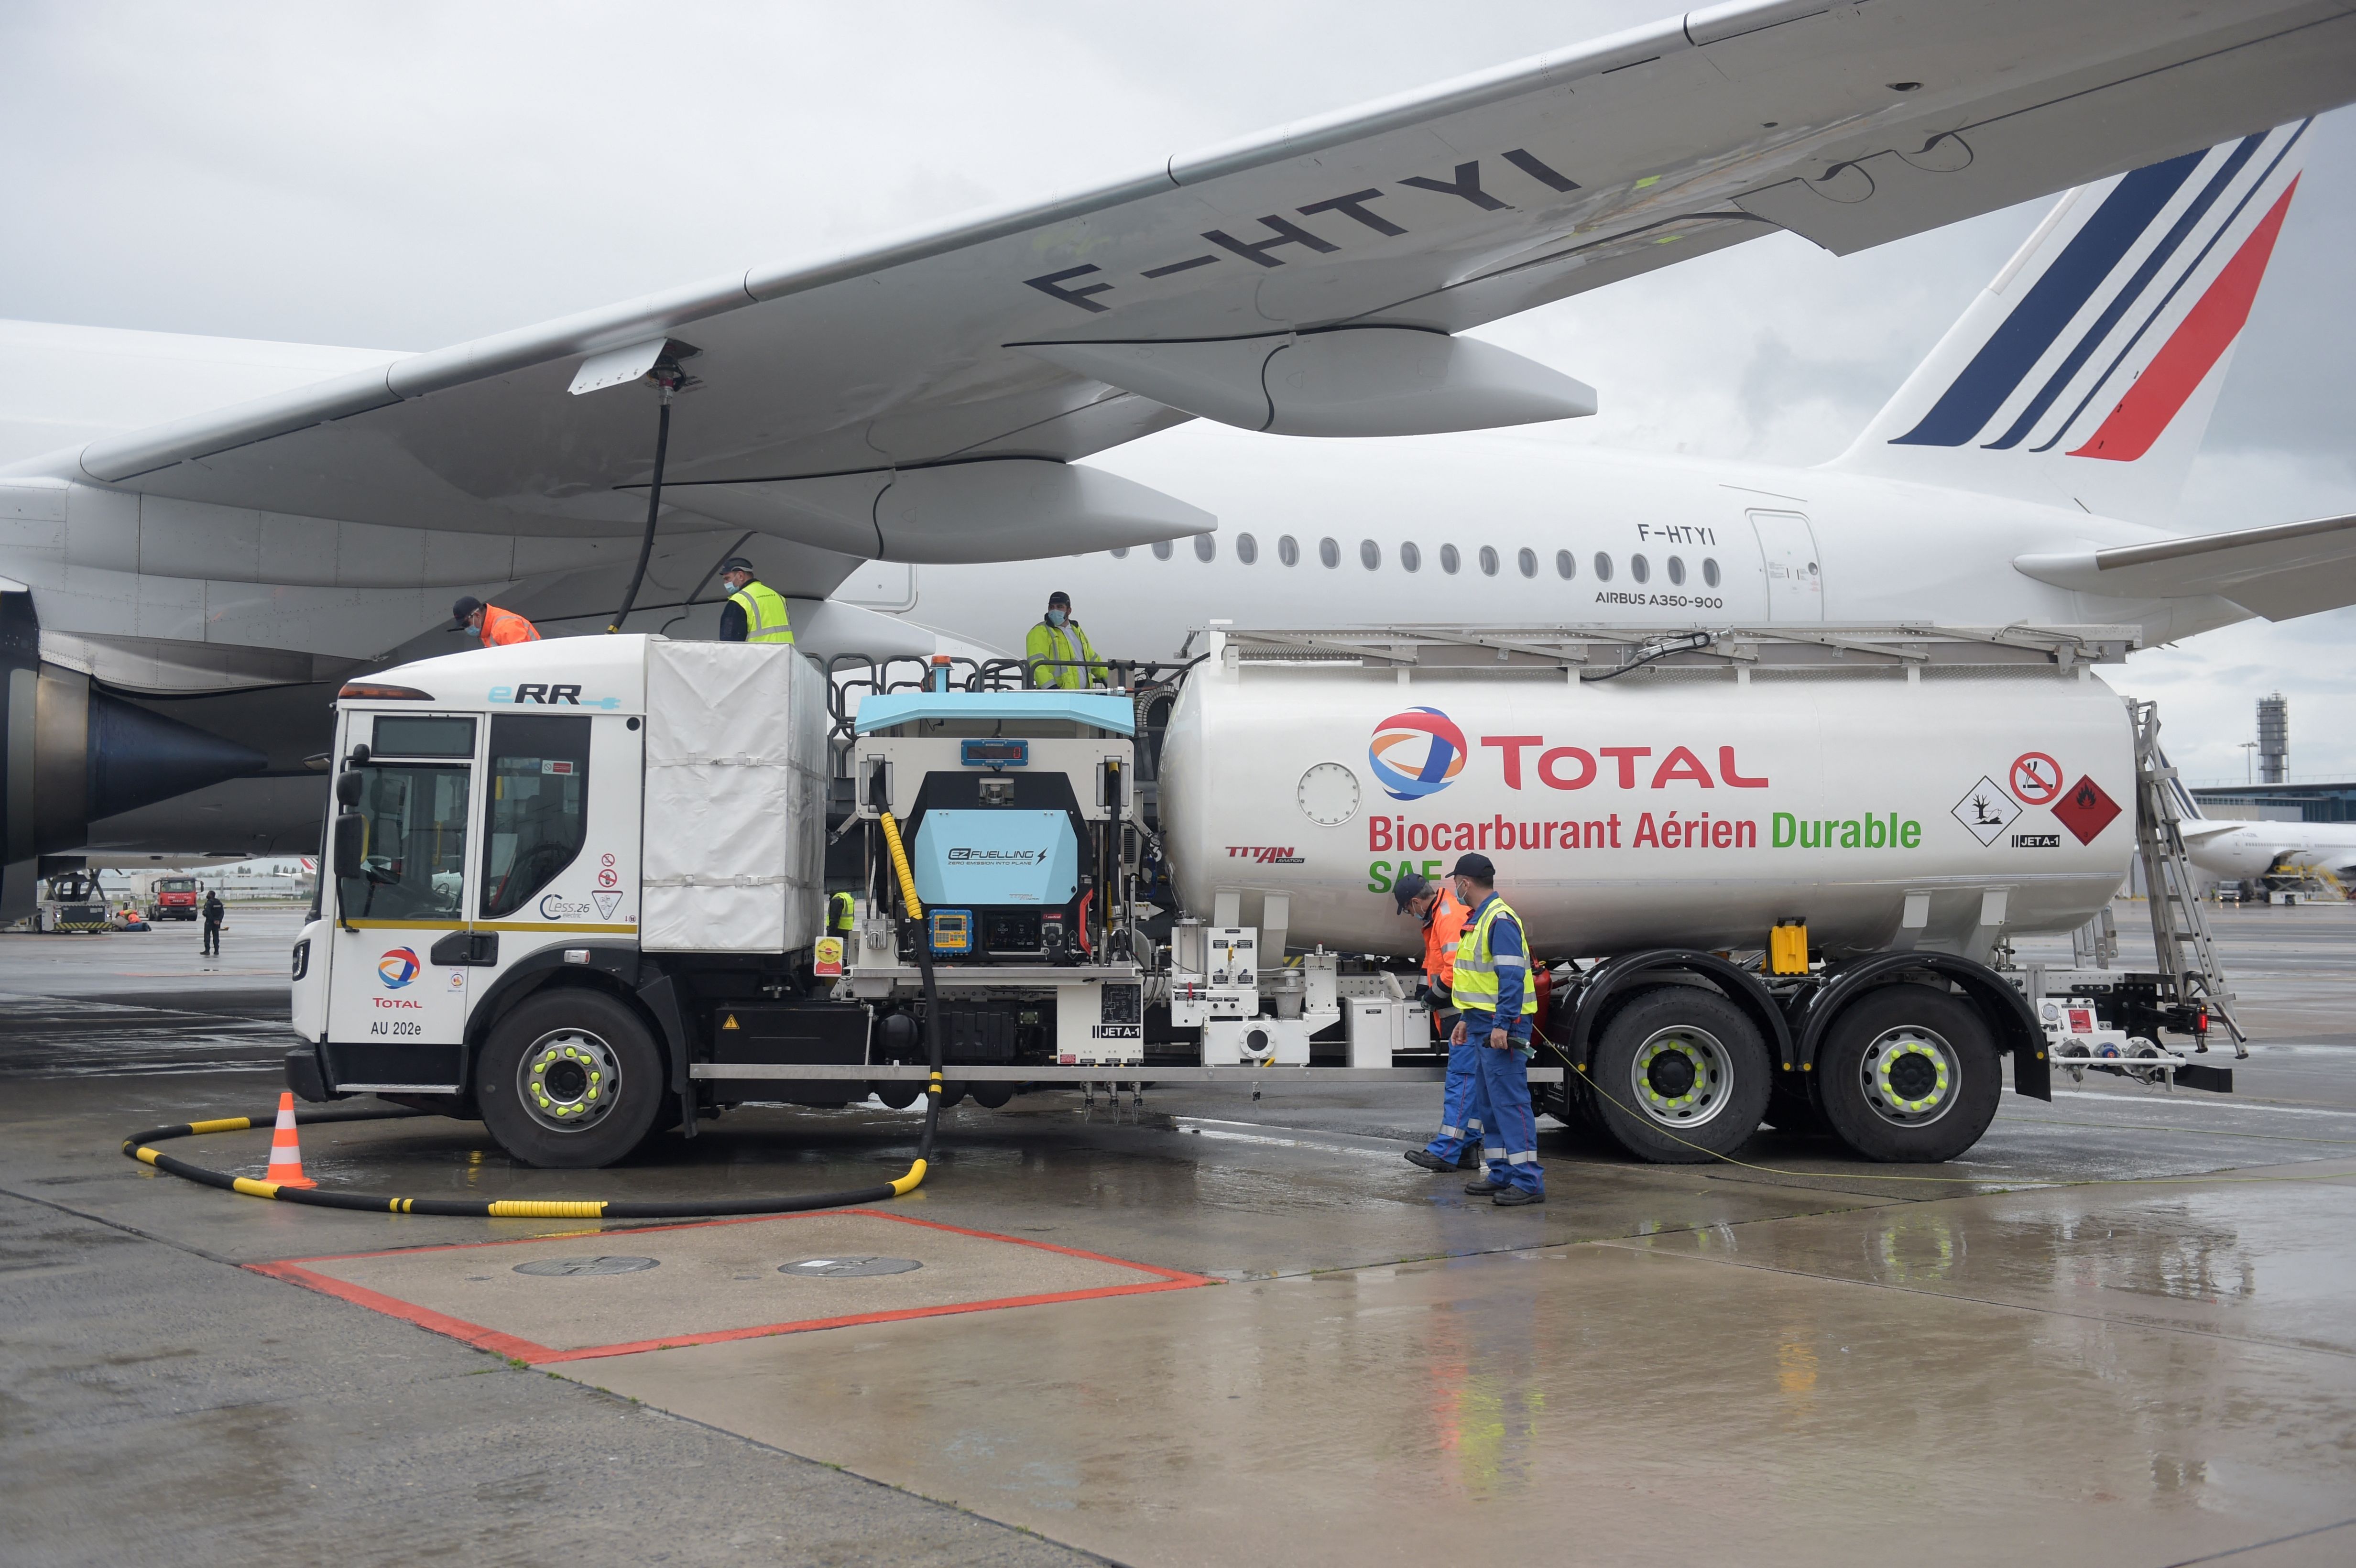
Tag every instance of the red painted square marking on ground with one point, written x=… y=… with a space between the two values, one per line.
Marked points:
x=294 y=1271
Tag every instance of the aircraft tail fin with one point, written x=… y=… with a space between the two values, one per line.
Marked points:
x=2086 y=372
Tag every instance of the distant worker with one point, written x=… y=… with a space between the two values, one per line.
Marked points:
x=1443 y=920
x=1057 y=653
x=215 y=912
x=755 y=613
x=1497 y=1005
x=496 y=627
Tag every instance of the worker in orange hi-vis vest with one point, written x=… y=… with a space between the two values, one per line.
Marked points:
x=1443 y=916
x=494 y=625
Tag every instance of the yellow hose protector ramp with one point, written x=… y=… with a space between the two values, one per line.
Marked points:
x=138 y=1146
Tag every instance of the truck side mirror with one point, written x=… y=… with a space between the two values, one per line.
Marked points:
x=351 y=844
x=349 y=786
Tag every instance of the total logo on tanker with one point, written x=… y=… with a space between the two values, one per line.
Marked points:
x=1656 y=799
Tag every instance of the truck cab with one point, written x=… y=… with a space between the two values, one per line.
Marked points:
x=477 y=851
x=176 y=898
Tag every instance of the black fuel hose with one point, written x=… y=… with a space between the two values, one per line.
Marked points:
x=137 y=1146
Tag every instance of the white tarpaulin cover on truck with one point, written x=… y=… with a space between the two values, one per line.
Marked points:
x=735 y=801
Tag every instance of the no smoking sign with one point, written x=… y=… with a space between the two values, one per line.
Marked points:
x=2036 y=778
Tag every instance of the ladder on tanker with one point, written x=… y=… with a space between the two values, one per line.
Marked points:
x=2179 y=928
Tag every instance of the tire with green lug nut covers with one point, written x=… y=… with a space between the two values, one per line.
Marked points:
x=1678 y=1074
x=1909 y=1074
x=570 y=1080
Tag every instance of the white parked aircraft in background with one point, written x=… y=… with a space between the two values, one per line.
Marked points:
x=203 y=539
x=2249 y=849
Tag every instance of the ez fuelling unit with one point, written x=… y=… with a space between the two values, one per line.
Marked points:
x=596 y=888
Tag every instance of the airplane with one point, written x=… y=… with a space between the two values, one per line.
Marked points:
x=2247 y=851
x=2020 y=474
x=202 y=539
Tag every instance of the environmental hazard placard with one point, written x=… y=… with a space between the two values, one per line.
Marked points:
x=1985 y=811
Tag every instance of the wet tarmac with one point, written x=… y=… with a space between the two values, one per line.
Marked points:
x=2121 y=1330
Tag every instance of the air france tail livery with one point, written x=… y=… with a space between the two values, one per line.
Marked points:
x=201 y=540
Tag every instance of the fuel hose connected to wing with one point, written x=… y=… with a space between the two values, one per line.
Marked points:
x=138 y=1145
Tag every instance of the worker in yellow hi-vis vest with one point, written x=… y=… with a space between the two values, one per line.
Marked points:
x=1057 y=653
x=1496 y=1004
x=755 y=613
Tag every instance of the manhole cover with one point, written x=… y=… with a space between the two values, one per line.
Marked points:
x=586 y=1265
x=857 y=1266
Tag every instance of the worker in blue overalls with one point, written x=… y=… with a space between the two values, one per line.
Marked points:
x=1498 y=1005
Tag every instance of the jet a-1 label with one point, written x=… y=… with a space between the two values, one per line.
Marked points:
x=2037 y=840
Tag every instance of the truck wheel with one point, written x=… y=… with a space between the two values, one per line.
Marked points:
x=1909 y=1074
x=1679 y=1074
x=570 y=1080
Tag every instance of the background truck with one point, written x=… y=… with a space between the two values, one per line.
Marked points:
x=590 y=889
x=174 y=897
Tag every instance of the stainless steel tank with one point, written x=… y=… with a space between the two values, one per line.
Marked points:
x=1688 y=806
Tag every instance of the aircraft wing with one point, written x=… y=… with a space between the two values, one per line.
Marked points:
x=2279 y=571
x=924 y=396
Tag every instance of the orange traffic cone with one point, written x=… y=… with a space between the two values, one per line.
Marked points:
x=286 y=1152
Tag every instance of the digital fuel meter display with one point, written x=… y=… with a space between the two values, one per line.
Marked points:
x=994 y=754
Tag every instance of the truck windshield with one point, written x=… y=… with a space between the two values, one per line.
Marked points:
x=539 y=810
x=415 y=850
x=177 y=885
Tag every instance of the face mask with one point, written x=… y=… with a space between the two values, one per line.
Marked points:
x=1056 y=617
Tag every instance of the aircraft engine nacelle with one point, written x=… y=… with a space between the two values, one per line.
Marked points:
x=75 y=753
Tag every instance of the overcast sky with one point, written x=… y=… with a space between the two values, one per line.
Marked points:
x=406 y=175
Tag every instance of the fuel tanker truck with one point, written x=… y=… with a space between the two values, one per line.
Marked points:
x=589 y=889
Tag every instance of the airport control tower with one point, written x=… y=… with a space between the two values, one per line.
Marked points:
x=2274 y=739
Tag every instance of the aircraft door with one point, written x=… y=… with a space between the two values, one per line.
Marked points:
x=396 y=1006
x=1787 y=549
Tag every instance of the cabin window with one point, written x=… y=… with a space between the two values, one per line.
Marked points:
x=1411 y=557
x=1246 y=548
x=1288 y=549
x=1370 y=555
x=1488 y=562
x=1449 y=559
x=1709 y=569
x=1329 y=552
x=1161 y=550
x=1528 y=561
x=1120 y=553
x=1206 y=547
x=1678 y=569
x=1640 y=568
x=1602 y=567
x=1565 y=565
